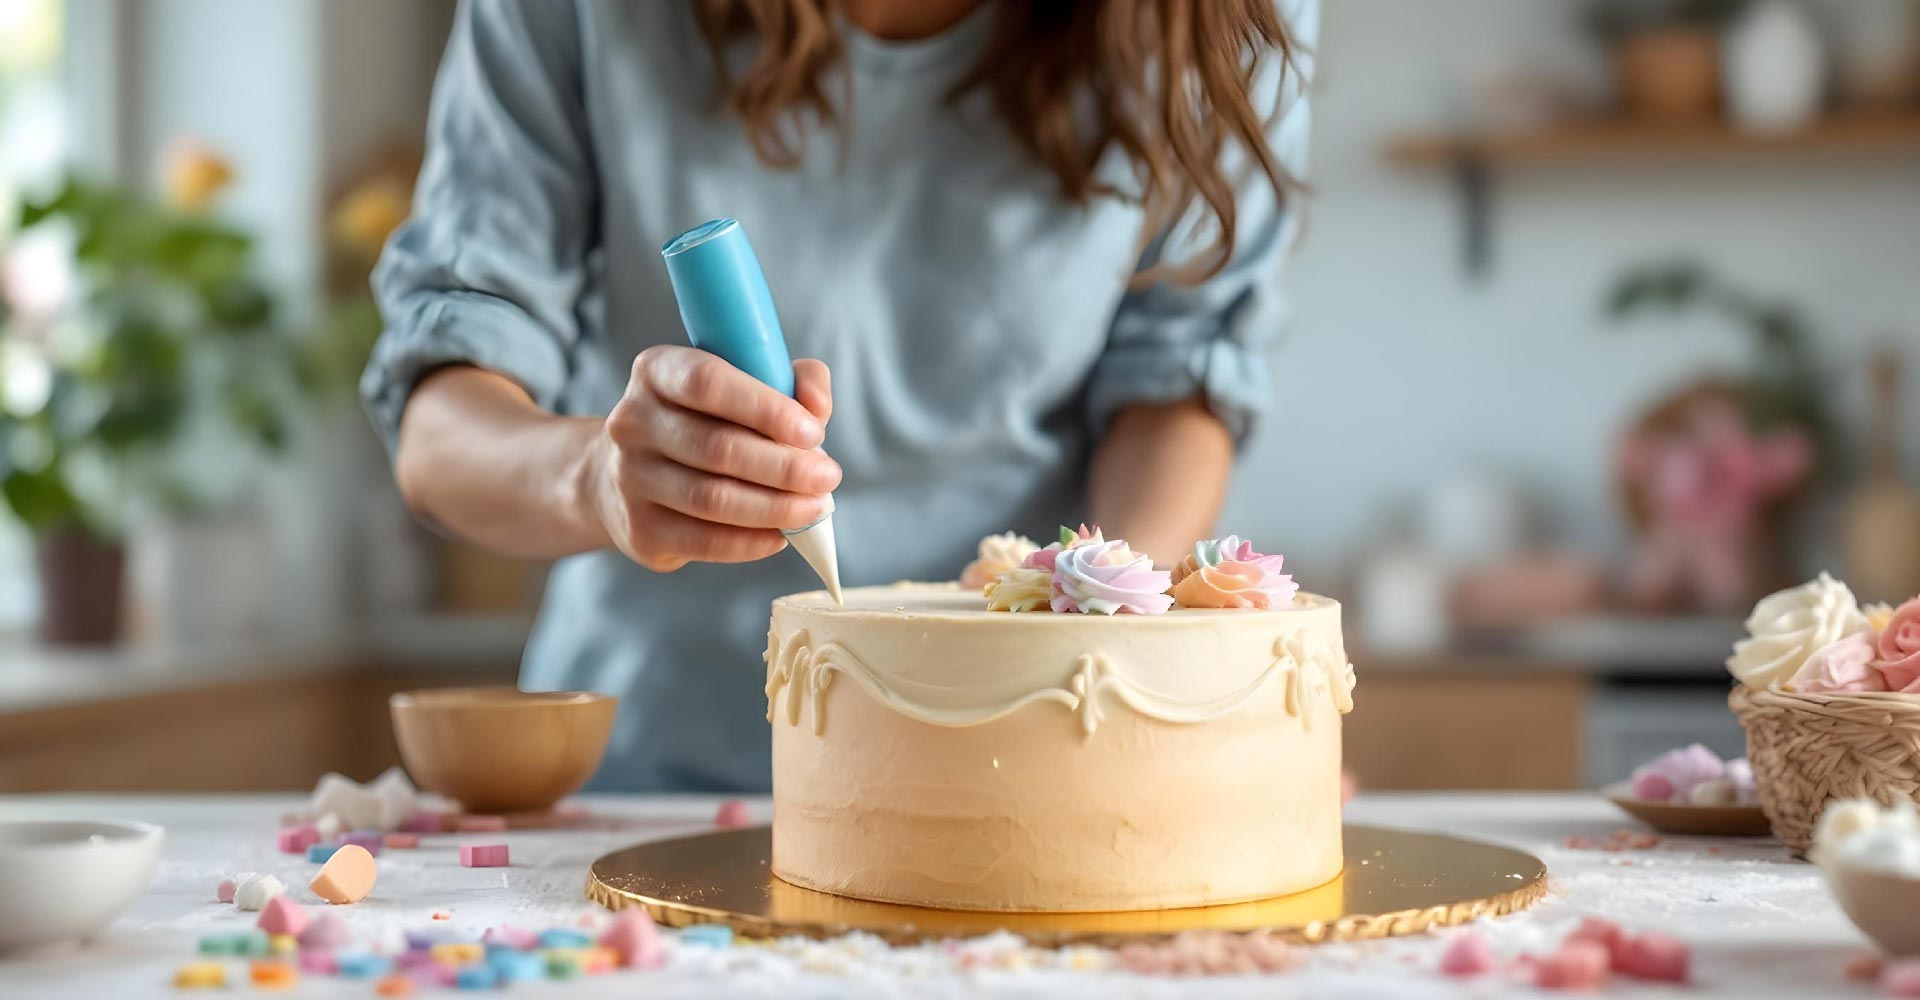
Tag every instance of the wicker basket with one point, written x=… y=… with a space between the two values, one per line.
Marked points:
x=1809 y=749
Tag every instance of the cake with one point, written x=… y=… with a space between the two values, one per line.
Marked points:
x=1111 y=748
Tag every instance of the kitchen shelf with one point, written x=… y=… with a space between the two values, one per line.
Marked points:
x=1580 y=142
x=1473 y=158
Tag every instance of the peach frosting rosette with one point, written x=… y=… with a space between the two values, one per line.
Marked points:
x=1107 y=578
x=1228 y=573
x=1233 y=548
x=997 y=554
x=1899 y=649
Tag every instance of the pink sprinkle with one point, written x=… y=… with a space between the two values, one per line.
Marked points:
x=480 y=824
x=223 y=893
x=398 y=841
x=483 y=855
x=1605 y=933
x=1644 y=841
x=282 y=915
x=1901 y=979
x=633 y=937
x=424 y=822
x=513 y=937
x=1713 y=850
x=1655 y=957
x=296 y=839
x=1467 y=955
x=442 y=915
x=1863 y=966
x=1577 y=965
x=318 y=961
x=1653 y=787
x=732 y=815
x=1580 y=843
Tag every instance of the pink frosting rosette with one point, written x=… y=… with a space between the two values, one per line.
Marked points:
x=1845 y=664
x=1108 y=578
x=1899 y=662
x=1069 y=538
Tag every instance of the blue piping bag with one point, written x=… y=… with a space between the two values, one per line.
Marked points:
x=728 y=310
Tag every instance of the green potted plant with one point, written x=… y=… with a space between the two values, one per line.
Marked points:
x=169 y=333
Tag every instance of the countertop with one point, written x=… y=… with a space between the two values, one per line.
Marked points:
x=1761 y=923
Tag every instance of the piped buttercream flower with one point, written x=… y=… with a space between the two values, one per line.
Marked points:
x=1214 y=551
x=997 y=554
x=1899 y=649
x=1845 y=664
x=1069 y=538
x=1106 y=578
x=1234 y=584
x=1788 y=627
x=1020 y=589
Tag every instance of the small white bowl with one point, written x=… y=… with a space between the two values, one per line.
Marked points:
x=1882 y=904
x=64 y=880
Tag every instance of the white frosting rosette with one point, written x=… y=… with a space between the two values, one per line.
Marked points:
x=1788 y=627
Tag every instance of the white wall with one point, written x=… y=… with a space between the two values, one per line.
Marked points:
x=1400 y=370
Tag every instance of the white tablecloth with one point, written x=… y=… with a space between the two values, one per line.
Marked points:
x=1761 y=924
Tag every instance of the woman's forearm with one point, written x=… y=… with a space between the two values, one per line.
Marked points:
x=1160 y=475
x=479 y=458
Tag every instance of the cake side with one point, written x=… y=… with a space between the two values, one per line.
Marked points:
x=928 y=751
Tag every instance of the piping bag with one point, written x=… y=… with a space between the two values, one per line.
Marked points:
x=728 y=310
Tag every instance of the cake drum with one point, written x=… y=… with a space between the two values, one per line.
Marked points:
x=1396 y=882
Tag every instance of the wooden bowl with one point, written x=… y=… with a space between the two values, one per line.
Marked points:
x=502 y=750
x=1688 y=819
x=1881 y=904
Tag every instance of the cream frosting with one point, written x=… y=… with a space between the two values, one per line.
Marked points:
x=1232 y=585
x=1861 y=833
x=1069 y=538
x=1232 y=548
x=996 y=555
x=1788 y=627
x=1844 y=665
x=1020 y=589
x=1108 y=578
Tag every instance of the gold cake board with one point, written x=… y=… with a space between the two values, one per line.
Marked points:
x=1396 y=882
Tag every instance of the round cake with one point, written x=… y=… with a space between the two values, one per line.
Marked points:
x=929 y=751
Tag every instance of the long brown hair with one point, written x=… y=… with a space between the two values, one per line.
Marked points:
x=1169 y=81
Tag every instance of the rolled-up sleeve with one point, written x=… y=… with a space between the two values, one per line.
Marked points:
x=490 y=268
x=1172 y=342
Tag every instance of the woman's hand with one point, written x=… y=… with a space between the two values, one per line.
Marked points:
x=700 y=461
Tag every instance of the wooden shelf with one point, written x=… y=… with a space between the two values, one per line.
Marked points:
x=1586 y=141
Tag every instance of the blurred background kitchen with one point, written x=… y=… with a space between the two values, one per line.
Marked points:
x=1600 y=324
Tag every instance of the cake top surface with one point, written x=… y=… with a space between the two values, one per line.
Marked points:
x=951 y=601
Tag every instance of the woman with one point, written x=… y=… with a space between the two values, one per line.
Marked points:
x=1038 y=244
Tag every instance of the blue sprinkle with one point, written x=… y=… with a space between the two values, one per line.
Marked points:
x=361 y=966
x=517 y=966
x=476 y=977
x=710 y=935
x=561 y=937
x=319 y=853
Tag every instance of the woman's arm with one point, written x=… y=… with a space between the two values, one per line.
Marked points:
x=1160 y=475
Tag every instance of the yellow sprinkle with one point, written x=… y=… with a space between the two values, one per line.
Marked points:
x=200 y=976
x=459 y=953
x=283 y=944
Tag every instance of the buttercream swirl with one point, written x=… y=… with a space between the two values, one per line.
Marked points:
x=1232 y=548
x=997 y=554
x=1106 y=578
x=1020 y=589
x=1840 y=666
x=1069 y=538
x=1899 y=648
x=1233 y=584
x=1788 y=627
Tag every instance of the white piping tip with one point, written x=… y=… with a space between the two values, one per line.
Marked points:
x=815 y=543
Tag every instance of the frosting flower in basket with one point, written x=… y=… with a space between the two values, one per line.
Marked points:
x=1898 y=647
x=1789 y=628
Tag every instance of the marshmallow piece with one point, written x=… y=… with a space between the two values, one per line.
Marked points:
x=361 y=965
x=427 y=821
x=369 y=839
x=347 y=877
x=732 y=815
x=1577 y=965
x=200 y=976
x=398 y=841
x=318 y=961
x=1654 y=957
x=273 y=975
x=633 y=937
x=319 y=853
x=282 y=916
x=483 y=855
x=1740 y=772
x=564 y=937
x=253 y=890
x=296 y=839
x=394 y=798
x=394 y=986
x=480 y=824
x=328 y=826
x=518 y=966
x=223 y=893
x=1604 y=933
x=459 y=953
x=326 y=932
x=1650 y=787
x=1468 y=954
x=1714 y=792
x=517 y=938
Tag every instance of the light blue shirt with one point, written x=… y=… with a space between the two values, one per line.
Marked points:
x=981 y=329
